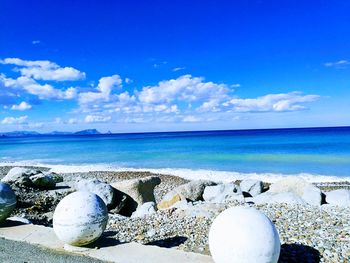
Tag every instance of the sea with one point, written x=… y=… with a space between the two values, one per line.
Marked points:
x=317 y=154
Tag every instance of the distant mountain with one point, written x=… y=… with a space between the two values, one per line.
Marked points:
x=58 y=133
x=19 y=133
x=87 y=132
x=34 y=133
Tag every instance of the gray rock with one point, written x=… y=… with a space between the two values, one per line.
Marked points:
x=340 y=197
x=207 y=210
x=138 y=191
x=223 y=193
x=42 y=181
x=20 y=176
x=279 y=198
x=103 y=190
x=252 y=187
x=192 y=191
x=144 y=210
x=308 y=192
x=8 y=201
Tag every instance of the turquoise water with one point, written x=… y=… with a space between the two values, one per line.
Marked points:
x=323 y=151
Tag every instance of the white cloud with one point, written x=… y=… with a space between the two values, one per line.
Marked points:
x=73 y=121
x=185 y=88
x=44 y=70
x=337 y=64
x=271 y=103
x=45 y=91
x=191 y=118
x=96 y=118
x=103 y=90
x=14 y=120
x=178 y=69
x=22 y=106
x=36 y=42
x=128 y=81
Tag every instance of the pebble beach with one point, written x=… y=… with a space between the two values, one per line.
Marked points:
x=307 y=233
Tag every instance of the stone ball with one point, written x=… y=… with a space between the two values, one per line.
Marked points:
x=7 y=201
x=80 y=218
x=243 y=235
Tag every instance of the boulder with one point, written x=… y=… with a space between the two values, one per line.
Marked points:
x=42 y=181
x=20 y=176
x=252 y=187
x=103 y=190
x=204 y=209
x=8 y=201
x=192 y=191
x=340 y=197
x=307 y=191
x=144 y=210
x=138 y=191
x=222 y=193
x=279 y=198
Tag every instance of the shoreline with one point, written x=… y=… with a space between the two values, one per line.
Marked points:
x=184 y=173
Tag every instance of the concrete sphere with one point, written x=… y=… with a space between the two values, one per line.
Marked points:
x=7 y=201
x=80 y=218
x=243 y=235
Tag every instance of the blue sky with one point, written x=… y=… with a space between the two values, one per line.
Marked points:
x=130 y=66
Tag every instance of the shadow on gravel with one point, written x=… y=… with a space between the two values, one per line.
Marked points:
x=298 y=253
x=106 y=240
x=168 y=242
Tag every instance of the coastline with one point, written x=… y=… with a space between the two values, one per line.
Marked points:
x=187 y=174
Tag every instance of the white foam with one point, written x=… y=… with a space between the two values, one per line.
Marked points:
x=218 y=176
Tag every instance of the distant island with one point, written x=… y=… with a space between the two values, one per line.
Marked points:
x=34 y=133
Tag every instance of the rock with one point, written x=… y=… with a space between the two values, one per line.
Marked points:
x=169 y=200
x=308 y=192
x=280 y=198
x=56 y=177
x=19 y=219
x=42 y=181
x=252 y=187
x=192 y=191
x=245 y=235
x=144 y=210
x=80 y=218
x=207 y=210
x=20 y=176
x=138 y=191
x=8 y=201
x=222 y=193
x=103 y=190
x=340 y=197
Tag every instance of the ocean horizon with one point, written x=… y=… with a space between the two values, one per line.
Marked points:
x=318 y=153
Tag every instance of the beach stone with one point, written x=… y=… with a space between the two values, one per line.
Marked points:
x=144 y=210
x=310 y=193
x=137 y=191
x=340 y=197
x=279 y=198
x=20 y=176
x=204 y=209
x=222 y=193
x=252 y=187
x=103 y=190
x=42 y=181
x=8 y=201
x=56 y=177
x=80 y=218
x=244 y=235
x=192 y=191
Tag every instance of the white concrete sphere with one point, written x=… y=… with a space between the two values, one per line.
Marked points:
x=243 y=235
x=80 y=218
x=7 y=201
